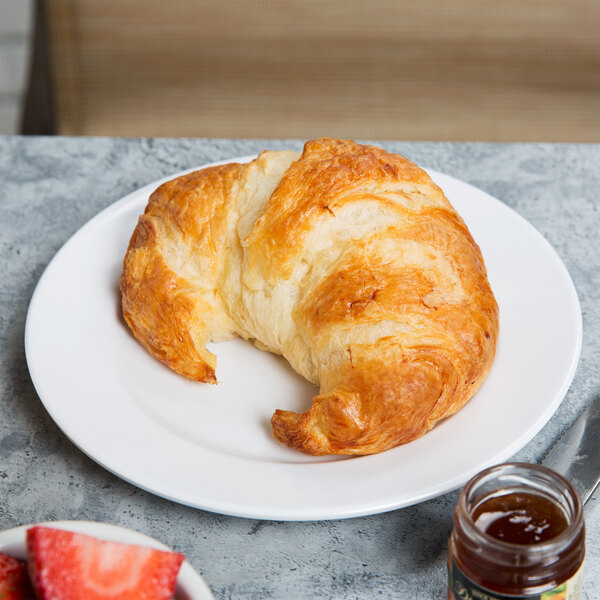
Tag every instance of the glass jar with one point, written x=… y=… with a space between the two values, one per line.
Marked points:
x=518 y=533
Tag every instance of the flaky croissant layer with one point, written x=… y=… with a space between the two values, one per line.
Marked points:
x=347 y=260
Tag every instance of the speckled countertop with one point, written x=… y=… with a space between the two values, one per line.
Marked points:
x=49 y=187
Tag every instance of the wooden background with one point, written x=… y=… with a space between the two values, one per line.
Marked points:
x=526 y=70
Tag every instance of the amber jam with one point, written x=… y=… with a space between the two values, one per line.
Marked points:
x=518 y=533
x=520 y=518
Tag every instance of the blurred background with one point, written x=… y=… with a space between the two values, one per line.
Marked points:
x=490 y=70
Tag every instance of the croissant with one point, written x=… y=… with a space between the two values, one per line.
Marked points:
x=345 y=259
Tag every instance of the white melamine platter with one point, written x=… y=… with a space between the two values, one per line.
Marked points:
x=211 y=446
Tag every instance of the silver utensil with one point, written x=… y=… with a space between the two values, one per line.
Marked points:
x=576 y=454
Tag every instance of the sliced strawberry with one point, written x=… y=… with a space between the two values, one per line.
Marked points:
x=14 y=580
x=64 y=565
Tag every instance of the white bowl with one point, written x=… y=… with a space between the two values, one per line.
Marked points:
x=190 y=586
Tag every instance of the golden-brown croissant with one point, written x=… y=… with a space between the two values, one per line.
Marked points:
x=347 y=260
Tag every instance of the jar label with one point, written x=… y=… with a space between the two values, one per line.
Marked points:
x=460 y=587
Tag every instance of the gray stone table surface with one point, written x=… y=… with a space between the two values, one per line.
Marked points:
x=49 y=187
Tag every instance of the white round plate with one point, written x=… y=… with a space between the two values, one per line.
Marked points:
x=190 y=586
x=211 y=446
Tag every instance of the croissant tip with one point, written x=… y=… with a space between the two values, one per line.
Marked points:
x=202 y=373
x=209 y=376
x=281 y=422
x=290 y=429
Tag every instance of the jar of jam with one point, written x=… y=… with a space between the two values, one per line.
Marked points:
x=518 y=533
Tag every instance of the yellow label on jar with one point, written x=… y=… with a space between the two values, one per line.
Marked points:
x=460 y=587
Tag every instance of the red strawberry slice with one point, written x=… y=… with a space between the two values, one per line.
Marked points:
x=64 y=565
x=14 y=580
